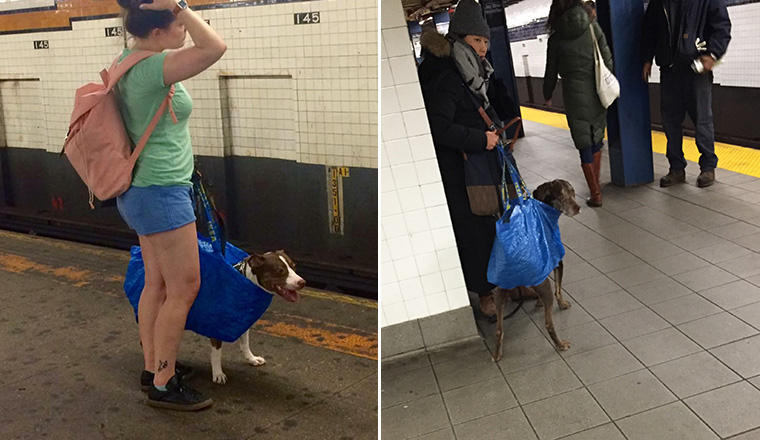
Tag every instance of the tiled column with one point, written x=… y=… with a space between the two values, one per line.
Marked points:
x=424 y=301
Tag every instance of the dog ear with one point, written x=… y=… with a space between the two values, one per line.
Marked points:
x=255 y=260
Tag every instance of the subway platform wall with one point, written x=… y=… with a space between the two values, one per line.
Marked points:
x=284 y=125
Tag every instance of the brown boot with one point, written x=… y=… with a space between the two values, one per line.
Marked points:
x=706 y=178
x=487 y=306
x=598 y=167
x=595 y=201
x=673 y=177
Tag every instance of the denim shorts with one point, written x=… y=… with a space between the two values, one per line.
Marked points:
x=153 y=209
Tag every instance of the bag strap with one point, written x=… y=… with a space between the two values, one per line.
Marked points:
x=113 y=74
x=490 y=122
x=597 y=51
x=519 y=184
x=167 y=102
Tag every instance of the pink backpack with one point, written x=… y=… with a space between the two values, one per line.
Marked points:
x=97 y=144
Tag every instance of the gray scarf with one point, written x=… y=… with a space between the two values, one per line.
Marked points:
x=474 y=71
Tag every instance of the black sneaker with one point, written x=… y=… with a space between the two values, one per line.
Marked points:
x=178 y=396
x=183 y=372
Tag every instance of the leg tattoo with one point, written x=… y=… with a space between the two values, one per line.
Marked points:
x=162 y=365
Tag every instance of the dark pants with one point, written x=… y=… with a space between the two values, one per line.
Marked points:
x=683 y=91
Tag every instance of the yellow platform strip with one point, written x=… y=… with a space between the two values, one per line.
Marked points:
x=732 y=157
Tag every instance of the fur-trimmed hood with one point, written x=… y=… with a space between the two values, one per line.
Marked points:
x=436 y=44
x=436 y=54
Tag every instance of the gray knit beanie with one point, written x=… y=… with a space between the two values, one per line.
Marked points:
x=469 y=19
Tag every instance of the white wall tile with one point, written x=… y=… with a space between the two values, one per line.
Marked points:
x=422 y=147
x=389 y=103
x=416 y=122
x=411 y=288
x=428 y=171
x=392 y=14
x=432 y=283
x=395 y=314
x=406 y=268
x=398 y=151
x=393 y=127
x=417 y=308
x=438 y=303
x=391 y=294
x=410 y=97
x=400 y=247
x=408 y=155
x=410 y=199
x=404 y=70
x=422 y=242
x=405 y=176
x=397 y=42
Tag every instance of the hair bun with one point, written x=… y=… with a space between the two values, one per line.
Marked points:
x=131 y=5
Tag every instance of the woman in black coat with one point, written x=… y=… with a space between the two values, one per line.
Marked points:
x=452 y=65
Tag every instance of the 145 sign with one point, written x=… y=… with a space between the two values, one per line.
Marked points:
x=306 y=18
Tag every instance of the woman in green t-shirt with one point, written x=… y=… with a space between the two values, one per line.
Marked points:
x=158 y=205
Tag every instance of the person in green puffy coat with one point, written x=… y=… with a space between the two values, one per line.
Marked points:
x=571 y=54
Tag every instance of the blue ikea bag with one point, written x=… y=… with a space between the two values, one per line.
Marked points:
x=227 y=304
x=528 y=245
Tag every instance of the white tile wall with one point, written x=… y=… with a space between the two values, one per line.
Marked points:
x=333 y=96
x=23 y=122
x=420 y=272
x=739 y=68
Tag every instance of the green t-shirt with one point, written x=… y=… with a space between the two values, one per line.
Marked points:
x=168 y=156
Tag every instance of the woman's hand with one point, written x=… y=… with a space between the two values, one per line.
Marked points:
x=491 y=140
x=159 y=5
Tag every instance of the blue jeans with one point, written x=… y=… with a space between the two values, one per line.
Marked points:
x=683 y=91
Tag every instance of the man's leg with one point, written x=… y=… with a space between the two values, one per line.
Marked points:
x=699 y=107
x=673 y=113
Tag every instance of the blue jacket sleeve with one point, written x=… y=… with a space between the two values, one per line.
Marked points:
x=717 y=28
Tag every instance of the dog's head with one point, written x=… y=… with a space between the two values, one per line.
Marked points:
x=275 y=273
x=560 y=195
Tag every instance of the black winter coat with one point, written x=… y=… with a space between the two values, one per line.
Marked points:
x=457 y=126
x=704 y=19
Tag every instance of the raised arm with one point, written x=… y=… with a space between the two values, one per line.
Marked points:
x=207 y=46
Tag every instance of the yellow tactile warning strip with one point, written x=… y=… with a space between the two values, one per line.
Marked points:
x=313 y=332
x=732 y=157
x=320 y=334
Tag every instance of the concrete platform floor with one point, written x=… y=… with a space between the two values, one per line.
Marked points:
x=664 y=325
x=70 y=359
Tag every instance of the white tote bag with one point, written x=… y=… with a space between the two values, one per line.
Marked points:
x=607 y=86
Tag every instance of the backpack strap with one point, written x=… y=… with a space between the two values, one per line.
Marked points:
x=111 y=77
x=113 y=74
x=167 y=102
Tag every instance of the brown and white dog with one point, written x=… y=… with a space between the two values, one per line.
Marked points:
x=275 y=273
x=560 y=195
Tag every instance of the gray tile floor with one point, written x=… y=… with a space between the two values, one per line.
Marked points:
x=664 y=324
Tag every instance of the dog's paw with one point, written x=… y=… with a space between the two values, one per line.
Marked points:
x=220 y=378
x=564 y=345
x=564 y=305
x=256 y=361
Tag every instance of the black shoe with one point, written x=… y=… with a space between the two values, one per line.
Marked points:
x=673 y=177
x=183 y=372
x=178 y=396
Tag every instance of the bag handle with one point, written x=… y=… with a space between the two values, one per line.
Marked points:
x=519 y=184
x=597 y=51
